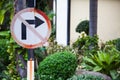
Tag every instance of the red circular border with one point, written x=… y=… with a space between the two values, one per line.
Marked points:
x=32 y=45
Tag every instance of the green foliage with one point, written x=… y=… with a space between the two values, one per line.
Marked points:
x=86 y=77
x=4 y=61
x=40 y=53
x=82 y=44
x=102 y=61
x=118 y=44
x=115 y=75
x=58 y=66
x=83 y=26
x=42 y=4
x=2 y=12
x=10 y=73
x=6 y=12
x=54 y=47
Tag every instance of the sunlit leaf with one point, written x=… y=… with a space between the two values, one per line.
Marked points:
x=2 y=13
x=97 y=68
x=4 y=33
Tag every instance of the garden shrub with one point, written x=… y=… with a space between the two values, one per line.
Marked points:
x=58 y=66
x=86 y=77
x=103 y=62
x=4 y=61
x=108 y=45
x=40 y=53
x=55 y=47
x=82 y=44
x=83 y=26
x=118 y=44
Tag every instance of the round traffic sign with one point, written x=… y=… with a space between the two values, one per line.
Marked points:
x=30 y=28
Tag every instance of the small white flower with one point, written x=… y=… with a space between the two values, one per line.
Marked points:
x=83 y=34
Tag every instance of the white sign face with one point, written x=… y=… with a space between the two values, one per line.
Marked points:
x=30 y=28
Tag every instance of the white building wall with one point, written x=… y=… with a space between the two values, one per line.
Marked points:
x=79 y=12
x=108 y=18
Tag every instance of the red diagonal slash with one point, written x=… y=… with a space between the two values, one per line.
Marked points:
x=31 y=28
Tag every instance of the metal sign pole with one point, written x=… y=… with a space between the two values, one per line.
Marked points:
x=30 y=63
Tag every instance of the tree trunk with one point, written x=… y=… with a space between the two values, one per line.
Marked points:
x=93 y=17
x=22 y=71
x=19 y=5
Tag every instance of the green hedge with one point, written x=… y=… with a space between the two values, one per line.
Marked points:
x=58 y=66
x=118 y=44
x=83 y=26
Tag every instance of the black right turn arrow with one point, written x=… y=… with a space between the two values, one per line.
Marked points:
x=37 y=23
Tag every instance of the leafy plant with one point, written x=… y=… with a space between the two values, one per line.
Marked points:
x=40 y=53
x=102 y=61
x=86 y=77
x=58 y=66
x=83 y=26
x=6 y=12
x=54 y=47
x=82 y=44
x=115 y=75
x=118 y=44
x=9 y=47
x=4 y=61
x=43 y=3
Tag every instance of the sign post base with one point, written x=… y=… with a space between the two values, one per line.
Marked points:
x=30 y=70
